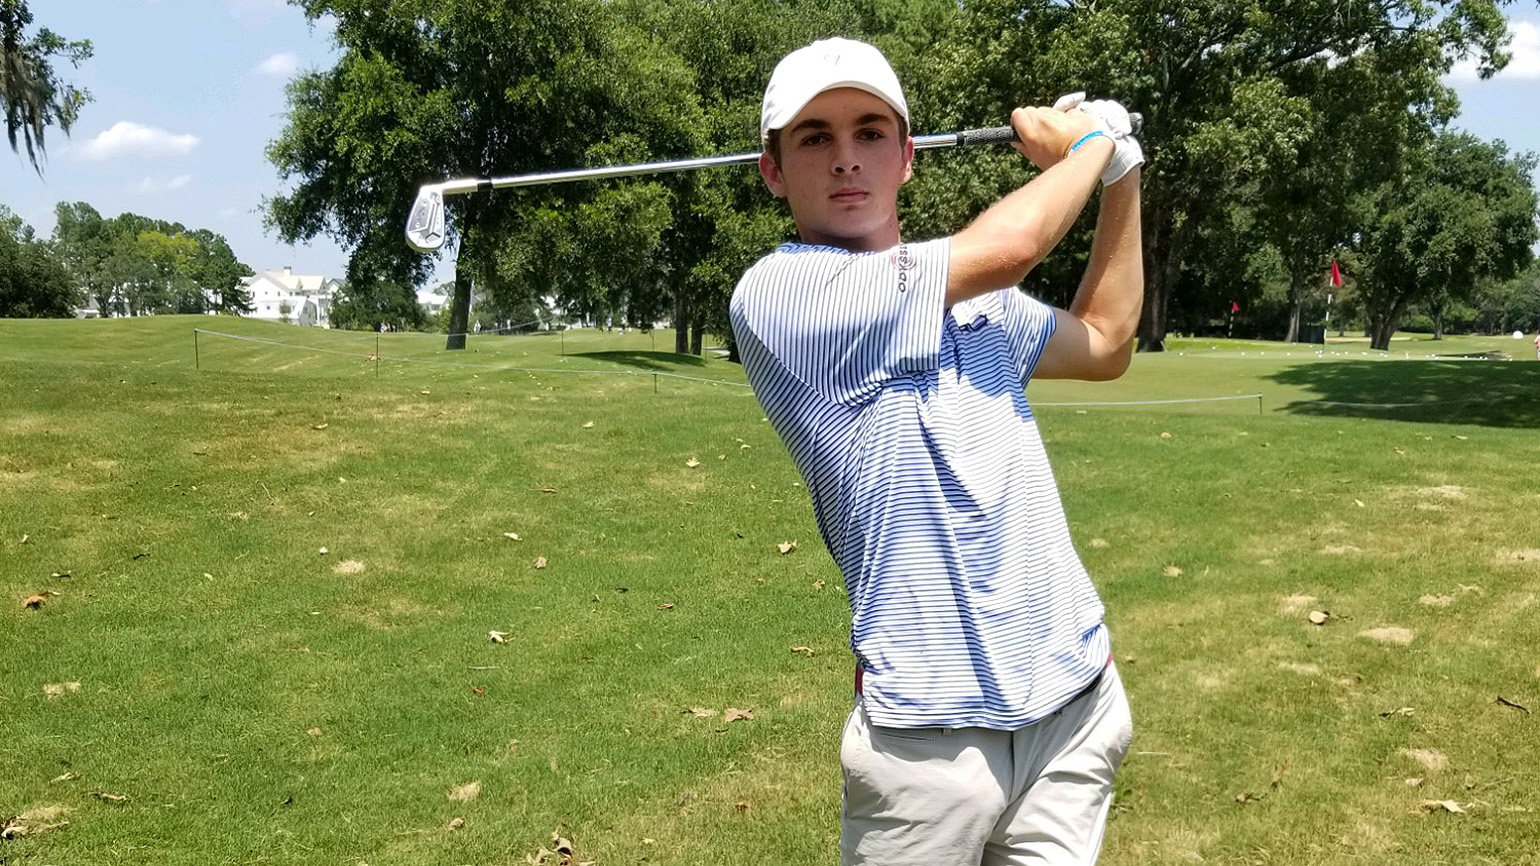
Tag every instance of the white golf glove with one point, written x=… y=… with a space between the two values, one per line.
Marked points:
x=1113 y=120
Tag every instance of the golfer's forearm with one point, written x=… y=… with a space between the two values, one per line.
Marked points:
x=998 y=249
x=1112 y=291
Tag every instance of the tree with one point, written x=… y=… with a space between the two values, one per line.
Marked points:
x=1219 y=83
x=1465 y=211
x=33 y=282
x=424 y=90
x=369 y=306
x=131 y=264
x=31 y=94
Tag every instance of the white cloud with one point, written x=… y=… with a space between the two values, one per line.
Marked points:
x=255 y=14
x=1525 y=64
x=151 y=185
x=279 y=65
x=226 y=214
x=130 y=139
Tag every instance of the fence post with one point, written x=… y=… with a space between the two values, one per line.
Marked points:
x=197 y=364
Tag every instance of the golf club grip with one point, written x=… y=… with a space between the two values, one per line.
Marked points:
x=1006 y=134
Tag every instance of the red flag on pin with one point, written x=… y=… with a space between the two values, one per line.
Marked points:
x=1336 y=275
x=1234 y=307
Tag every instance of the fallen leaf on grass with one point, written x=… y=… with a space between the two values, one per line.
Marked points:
x=692 y=463
x=24 y=538
x=118 y=799
x=1249 y=798
x=314 y=732
x=733 y=714
x=1165 y=435
x=35 y=601
x=1401 y=711
x=1099 y=543
x=1319 y=617
x=742 y=805
x=588 y=425
x=546 y=489
x=805 y=650
x=67 y=777
x=540 y=562
x=33 y=822
x=786 y=547
x=55 y=690
x=466 y=792
x=1507 y=703
x=1171 y=571
x=1359 y=503
x=1442 y=805
x=819 y=584
x=666 y=606
x=498 y=636
x=457 y=823
x=319 y=426
x=323 y=551
x=702 y=713
x=512 y=536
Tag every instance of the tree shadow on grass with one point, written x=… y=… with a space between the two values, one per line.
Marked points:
x=659 y=362
x=1487 y=393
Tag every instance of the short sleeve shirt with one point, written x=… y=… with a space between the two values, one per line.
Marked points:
x=910 y=426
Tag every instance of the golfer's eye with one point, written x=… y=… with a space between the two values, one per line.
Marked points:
x=870 y=135
x=814 y=140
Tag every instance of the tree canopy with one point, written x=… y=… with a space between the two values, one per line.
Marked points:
x=1271 y=127
x=31 y=93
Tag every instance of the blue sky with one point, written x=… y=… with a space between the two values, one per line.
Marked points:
x=188 y=93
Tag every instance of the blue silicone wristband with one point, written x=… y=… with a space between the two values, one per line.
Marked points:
x=1087 y=137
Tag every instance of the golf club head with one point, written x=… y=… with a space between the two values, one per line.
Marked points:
x=425 y=227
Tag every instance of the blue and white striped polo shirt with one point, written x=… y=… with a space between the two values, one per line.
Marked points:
x=910 y=425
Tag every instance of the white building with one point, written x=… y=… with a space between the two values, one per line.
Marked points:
x=284 y=296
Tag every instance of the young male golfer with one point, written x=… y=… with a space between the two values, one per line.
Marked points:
x=989 y=717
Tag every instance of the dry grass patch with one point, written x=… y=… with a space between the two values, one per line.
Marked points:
x=385 y=613
x=1531 y=556
x=1307 y=669
x=348 y=566
x=1292 y=604
x=1431 y=760
x=1340 y=549
x=1391 y=634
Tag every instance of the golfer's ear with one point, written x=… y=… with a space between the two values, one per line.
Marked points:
x=908 y=159
x=772 y=174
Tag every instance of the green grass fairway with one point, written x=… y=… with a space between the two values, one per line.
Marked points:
x=268 y=586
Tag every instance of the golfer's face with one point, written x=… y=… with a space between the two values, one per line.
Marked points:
x=843 y=158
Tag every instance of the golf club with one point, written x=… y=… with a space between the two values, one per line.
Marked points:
x=425 y=226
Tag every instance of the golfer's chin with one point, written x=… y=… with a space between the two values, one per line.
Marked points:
x=858 y=228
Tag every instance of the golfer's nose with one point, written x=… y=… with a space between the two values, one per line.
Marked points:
x=845 y=160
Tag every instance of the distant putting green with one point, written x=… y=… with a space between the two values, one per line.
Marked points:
x=248 y=607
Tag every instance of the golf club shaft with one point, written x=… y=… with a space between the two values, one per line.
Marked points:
x=425 y=229
x=457 y=187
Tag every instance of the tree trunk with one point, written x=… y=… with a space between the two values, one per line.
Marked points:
x=1162 y=262
x=1438 y=325
x=1383 y=324
x=459 y=309
x=1297 y=285
x=697 y=333
x=681 y=323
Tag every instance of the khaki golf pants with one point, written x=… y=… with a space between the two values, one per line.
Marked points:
x=979 y=797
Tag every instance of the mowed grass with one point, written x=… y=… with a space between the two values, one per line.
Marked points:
x=259 y=701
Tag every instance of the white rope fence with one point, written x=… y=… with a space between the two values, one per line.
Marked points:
x=376 y=357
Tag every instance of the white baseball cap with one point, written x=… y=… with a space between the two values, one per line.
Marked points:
x=825 y=65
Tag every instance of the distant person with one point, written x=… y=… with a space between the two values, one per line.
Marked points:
x=1537 y=345
x=989 y=717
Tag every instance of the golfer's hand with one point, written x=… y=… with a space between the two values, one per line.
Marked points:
x=1047 y=134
